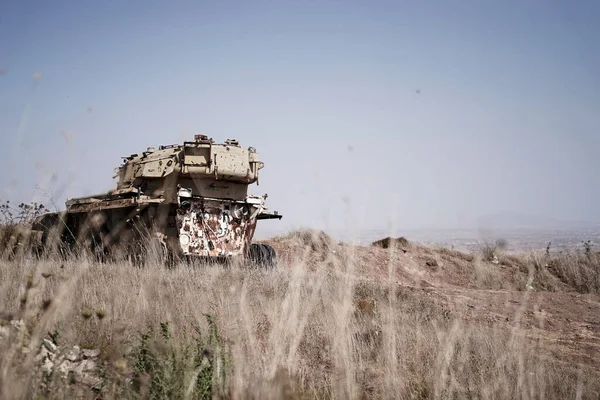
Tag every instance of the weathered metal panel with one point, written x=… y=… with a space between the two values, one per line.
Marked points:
x=206 y=187
x=105 y=204
x=213 y=228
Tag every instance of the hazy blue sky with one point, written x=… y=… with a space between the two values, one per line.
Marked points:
x=431 y=114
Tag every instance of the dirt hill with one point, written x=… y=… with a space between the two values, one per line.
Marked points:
x=554 y=299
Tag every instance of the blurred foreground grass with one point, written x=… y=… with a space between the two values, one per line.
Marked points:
x=304 y=330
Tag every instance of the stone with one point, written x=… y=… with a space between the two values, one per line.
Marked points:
x=47 y=366
x=19 y=325
x=49 y=345
x=42 y=355
x=84 y=366
x=70 y=363
x=431 y=262
x=89 y=380
x=63 y=368
x=4 y=332
x=90 y=353
x=73 y=354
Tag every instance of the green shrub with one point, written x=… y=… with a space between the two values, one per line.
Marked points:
x=175 y=369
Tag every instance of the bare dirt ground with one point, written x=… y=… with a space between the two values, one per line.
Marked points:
x=566 y=325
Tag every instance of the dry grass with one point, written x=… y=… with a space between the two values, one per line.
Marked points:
x=13 y=239
x=577 y=271
x=294 y=332
x=566 y=271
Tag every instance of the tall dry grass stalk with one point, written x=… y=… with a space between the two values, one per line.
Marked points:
x=304 y=330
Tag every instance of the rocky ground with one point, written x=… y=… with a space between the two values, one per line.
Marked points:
x=53 y=363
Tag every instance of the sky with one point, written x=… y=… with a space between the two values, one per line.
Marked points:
x=368 y=115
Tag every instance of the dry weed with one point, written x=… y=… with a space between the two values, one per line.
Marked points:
x=295 y=332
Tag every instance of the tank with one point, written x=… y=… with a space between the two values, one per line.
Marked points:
x=185 y=200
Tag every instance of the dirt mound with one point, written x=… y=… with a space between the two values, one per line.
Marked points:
x=305 y=244
x=316 y=240
x=399 y=243
x=439 y=266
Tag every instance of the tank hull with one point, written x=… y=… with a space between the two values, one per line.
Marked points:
x=196 y=227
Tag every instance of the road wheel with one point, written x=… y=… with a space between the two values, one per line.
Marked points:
x=262 y=255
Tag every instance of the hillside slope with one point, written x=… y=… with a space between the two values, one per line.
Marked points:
x=553 y=299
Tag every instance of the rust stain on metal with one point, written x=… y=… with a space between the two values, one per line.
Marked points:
x=214 y=228
x=105 y=204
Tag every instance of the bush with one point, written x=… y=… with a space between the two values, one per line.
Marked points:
x=15 y=224
x=491 y=250
x=23 y=214
x=175 y=369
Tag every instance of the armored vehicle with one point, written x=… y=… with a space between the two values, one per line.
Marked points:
x=184 y=200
